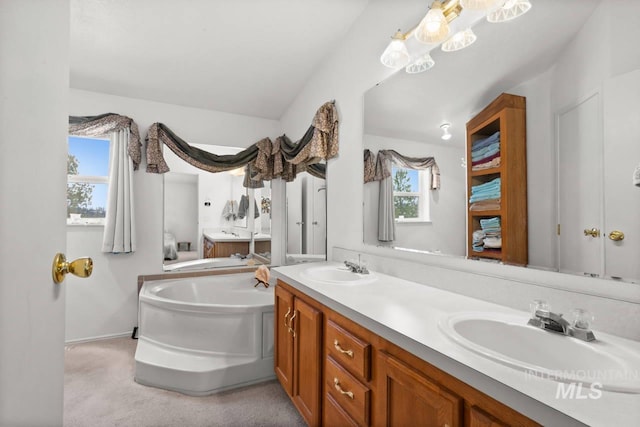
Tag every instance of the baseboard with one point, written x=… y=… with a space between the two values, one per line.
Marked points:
x=98 y=338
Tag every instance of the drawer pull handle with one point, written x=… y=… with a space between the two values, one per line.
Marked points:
x=287 y=315
x=336 y=384
x=336 y=344
x=291 y=325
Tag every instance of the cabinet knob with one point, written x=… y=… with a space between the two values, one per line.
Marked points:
x=616 y=235
x=594 y=232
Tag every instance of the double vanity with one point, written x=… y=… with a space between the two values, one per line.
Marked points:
x=357 y=347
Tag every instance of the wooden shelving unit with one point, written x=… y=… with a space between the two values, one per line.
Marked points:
x=506 y=114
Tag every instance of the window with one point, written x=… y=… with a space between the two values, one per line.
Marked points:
x=410 y=194
x=87 y=180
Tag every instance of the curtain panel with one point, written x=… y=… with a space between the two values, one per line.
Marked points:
x=263 y=160
x=380 y=170
x=125 y=154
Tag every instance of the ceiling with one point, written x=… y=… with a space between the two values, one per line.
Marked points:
x=249 y=57
x=413 y=106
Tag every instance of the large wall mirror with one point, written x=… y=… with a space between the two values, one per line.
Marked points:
x=210 y=219
x=576 y=64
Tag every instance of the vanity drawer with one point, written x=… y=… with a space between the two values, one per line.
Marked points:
x=334 y=415
x=350 y=351
x=349 y=393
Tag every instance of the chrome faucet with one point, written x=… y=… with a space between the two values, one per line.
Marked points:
x=356 y=268
x=544 y=318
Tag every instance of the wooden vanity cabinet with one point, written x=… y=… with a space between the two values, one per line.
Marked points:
x=357 y=378
x=407 y=397
x=298 y=356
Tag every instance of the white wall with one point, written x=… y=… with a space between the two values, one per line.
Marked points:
x=447 y=230
x=106 y=304
x=354 y=68
x=181 y=207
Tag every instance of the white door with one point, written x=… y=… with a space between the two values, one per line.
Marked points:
x=319 y=223
x=34 y=88
x=294 y=216
x=579 y=140
x=621 y=157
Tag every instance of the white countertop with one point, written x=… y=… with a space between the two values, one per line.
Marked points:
x=219 y=236
x=407 y=314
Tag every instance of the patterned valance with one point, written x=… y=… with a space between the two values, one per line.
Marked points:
x=380 y=168
x=264 y=160
x=104 y=125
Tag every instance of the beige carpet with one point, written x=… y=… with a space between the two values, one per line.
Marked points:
x=100 y=391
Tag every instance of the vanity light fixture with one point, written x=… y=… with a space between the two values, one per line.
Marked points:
x=396 y=54
x=484 y=5
x=433 y=29
x=460 y=40
x=421 y=64
x=446 y=135
x=511 y=9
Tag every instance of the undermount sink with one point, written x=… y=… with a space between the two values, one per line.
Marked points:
x=337 y=275
x=606 y=362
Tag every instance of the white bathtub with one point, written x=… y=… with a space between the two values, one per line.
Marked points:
x=206 y=334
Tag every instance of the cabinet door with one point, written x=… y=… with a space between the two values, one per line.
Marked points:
x=407 y=398
x=479 y=418
x=307 y=361
x=283 y=360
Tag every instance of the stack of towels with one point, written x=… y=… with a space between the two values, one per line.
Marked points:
x=485 y=196
x=489 y=237
x=485 y=152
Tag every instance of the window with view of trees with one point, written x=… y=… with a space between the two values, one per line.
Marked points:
x=87 y=180
x=410 y=196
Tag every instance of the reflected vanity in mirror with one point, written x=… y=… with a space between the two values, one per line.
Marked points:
x=210 y=219
x=581 y=136
x=306 y=219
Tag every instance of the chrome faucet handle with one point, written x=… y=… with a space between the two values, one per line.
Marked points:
x=553 y=321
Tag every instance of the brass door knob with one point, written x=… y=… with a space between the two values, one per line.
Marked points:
x=616 y=235
x=594 y=232
x=81 y=267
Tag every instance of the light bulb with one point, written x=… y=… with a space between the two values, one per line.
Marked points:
x=446 y=135
x=396 y=54
x=434 y=27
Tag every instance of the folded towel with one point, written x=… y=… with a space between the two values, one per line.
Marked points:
x=488 y=147
x=492 y=242
x=493 y=163
x=490 y=222
x=483 y=142
x=487 y=152
x=485 y=205
x=485 y=159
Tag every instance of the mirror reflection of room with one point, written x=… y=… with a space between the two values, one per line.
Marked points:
x=306 y=219
x=211 y=219
x=581 y=144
